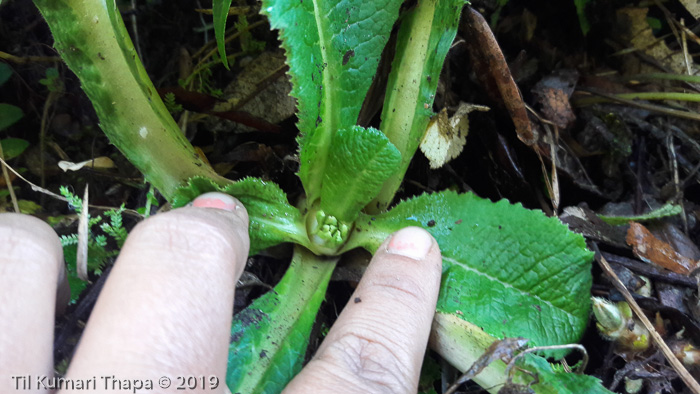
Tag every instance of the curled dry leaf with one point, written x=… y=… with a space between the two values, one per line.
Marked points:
x=493 y=73
x=102 y=163
x=653 y=250
x=445 y=138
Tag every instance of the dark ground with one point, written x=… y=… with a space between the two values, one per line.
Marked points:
x=614 y=158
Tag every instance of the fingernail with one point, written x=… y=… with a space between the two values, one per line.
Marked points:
x=412 y=242
x=216 y=200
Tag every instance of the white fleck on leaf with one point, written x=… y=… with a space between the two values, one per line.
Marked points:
x=445 y=137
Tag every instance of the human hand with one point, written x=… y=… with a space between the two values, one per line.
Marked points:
x=166 y=308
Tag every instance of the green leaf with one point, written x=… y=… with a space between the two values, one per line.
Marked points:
x=248 y=43
x=360 y=161
x=5 y=73
x=13 y=147
x=52 y=81
x=9 y=114
x=269 y=338
x=272 y=219
x=333 y=49
x=557 y=382
x=97 y=257
x=430 y=373
x=666 y=210
x=425 y=36
x=220 y=10
x=511 y=271
x=582 y=18
x=29 y=207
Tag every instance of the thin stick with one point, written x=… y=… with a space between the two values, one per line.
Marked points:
x=684 y=45
x=675 y=363
x=676 y=180
x=29 y=59
x=8 y=181
x=135 y=30
x=664 y=76
x=59 y=197
x=552 y=181
x=580 y=348
x=81 y=254
x=42 y=134
x=649 y=107
x=678 y=96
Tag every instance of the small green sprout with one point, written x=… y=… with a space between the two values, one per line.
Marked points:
x=327 y=232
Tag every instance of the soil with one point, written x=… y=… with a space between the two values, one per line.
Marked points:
x=613 y=156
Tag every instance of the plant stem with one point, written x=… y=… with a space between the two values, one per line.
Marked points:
x=90 y=36
x=424 y=38
x=284 y=318
x=678 y=96
x=403 y=119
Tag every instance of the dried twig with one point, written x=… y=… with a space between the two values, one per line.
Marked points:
x=81 y=256
x=648 y=107
x=61 y=198
x=29 y=59
x=8 y=181
x=551 y=181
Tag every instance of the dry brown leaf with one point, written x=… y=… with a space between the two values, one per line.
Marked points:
x=492 y=70
x=102 y=162
x=653 y=250
x=261 y=90
x=632 y=29
x=445 y=138
x=553 y=92
x=693 y=7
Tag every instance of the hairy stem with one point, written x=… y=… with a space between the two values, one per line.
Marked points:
x=91 y=38
x=424 y=38
x=278 y=325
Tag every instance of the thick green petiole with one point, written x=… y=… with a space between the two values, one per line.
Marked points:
x=424 y=38
x=270 y=337
x=91 y=38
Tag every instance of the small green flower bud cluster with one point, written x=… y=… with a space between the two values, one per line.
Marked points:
x=327 y=232
x=331 y=229
x=616 y=322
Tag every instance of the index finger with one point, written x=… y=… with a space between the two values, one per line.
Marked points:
x=378 y=342
x=166 y=308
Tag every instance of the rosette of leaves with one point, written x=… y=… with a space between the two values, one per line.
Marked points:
x=508 y=270
x=511 y=271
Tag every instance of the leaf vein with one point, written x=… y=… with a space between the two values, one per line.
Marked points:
x=547 y=302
